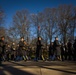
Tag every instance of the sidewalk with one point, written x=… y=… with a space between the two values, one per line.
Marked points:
x=38 y=68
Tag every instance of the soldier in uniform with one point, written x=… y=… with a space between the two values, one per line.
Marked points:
x=21 y=46
x=66 y=51
x=38 y=49
x=51 y=51
x=69 y=45
x=13 y=48
x=8 y=52
x=2 y=48
x=25 y=51
x=62 y=51
x=57 y=49
x=74 y=46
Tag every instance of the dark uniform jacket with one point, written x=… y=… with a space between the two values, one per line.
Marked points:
x=2 y=46
x=39 y=45
x=21 y=45
x=57 y=47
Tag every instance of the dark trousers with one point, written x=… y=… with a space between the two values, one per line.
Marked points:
x=66 y=55
x=70 y=55
x=74 y=55
x=0 y=59
x=37 y=54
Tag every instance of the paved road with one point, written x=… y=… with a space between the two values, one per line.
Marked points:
x=38 y=68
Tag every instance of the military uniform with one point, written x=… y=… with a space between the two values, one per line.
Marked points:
x=74 y=45
x=2 y=49
x=13 y=55
x=21 y=46
x=38 y=50
x=57 y=49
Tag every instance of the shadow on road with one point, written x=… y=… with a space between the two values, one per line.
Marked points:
x=32 y=63
x=8 y=70
x=15 y=71
x=43 y=64
x=65 y=71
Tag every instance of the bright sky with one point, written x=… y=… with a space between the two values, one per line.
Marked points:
x=11 y=6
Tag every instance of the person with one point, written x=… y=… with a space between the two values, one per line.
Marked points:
x=66 y=51
x=38 y=49
x=57 y=49
x=2 y=48
x=25 y=51
x=69 y=45
x=51 y=51
x=74 y=46
x=62 y=52
x=13 y=49
x=8 y=52
x=17 y=52
x=21 y=45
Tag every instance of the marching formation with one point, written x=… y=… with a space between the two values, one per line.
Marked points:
x=22 y=51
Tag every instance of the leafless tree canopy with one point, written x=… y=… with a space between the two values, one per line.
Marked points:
x=21 y=25
x=49 y=23
x=2 y=16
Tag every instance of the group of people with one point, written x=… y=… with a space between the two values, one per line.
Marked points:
x=13 y=52
x=56 y=50
x=62 y=51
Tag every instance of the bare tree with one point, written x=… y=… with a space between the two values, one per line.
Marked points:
x=2 y=17
x=50 y=22
x=12 y=33
x=35 y=22
x=64 y=16
x=2 y=31
x=73 y=24
x=21 y=24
